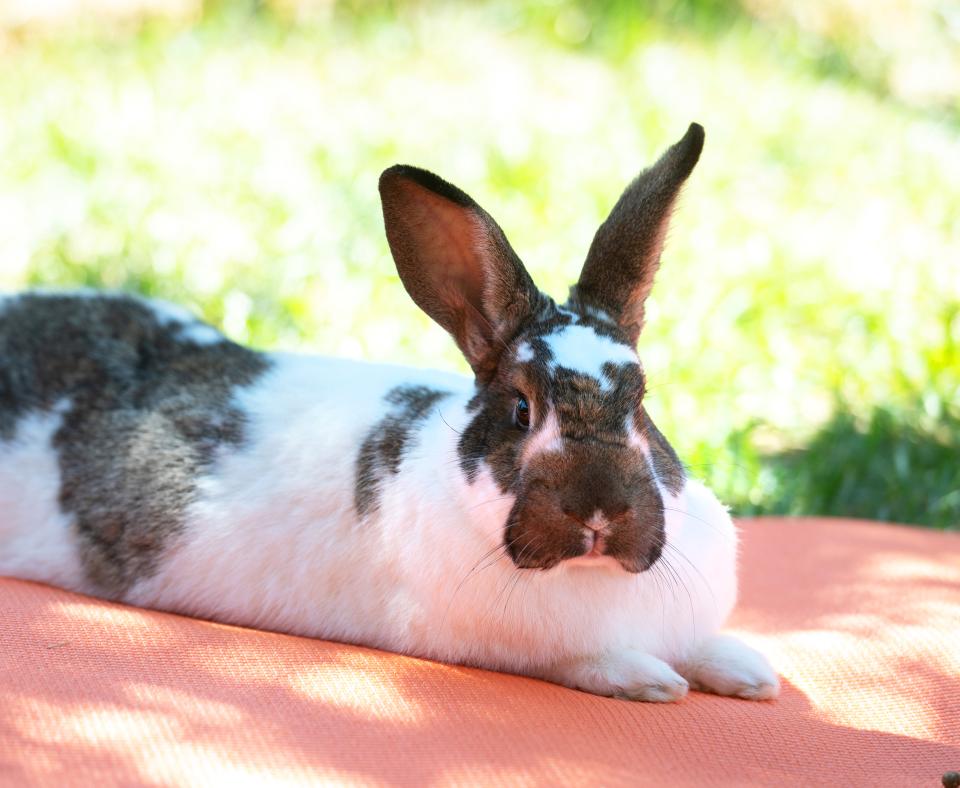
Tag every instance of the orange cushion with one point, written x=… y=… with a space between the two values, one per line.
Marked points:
x=862 y=620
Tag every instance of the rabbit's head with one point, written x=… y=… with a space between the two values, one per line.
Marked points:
x=558 y=416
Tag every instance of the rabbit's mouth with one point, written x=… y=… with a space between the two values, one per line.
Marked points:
x=527 y=554
x=541 y=533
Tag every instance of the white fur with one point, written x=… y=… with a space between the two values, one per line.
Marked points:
x=36 y=540
x=581 y=349
x=729 y=667
x=190 y=327
x=273 y=540
x=600 y=314
x=639 y=441
x=630 y=674
x=524 y=352
x=545 y=437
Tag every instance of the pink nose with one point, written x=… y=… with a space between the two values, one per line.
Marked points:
x=597 y=522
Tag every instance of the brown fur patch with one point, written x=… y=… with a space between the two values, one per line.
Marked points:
x=625 y=254
x=148 y=410
x=666 y=463
x=384 y=447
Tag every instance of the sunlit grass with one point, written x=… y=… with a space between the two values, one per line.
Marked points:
x=813 y=272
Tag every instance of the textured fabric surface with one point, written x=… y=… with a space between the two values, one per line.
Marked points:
x=861 y=619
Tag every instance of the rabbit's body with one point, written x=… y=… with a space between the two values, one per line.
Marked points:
x=146 y=458
x=269 y=533
x=399 y=578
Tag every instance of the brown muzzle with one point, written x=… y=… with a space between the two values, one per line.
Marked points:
x=591 y=497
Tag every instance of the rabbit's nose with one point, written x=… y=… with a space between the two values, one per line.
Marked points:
x=597 y=522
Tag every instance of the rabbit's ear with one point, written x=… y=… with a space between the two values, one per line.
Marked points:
x=625 y=253
x=456 y=263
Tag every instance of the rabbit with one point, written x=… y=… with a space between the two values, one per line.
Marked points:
x=529 y=519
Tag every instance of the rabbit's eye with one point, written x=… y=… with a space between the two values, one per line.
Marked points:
x=521 y=413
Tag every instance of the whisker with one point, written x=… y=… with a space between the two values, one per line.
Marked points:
x=492 y=500
x=440 y=414
x=726 y=465
x=518 y=577
x=676 y=574
x=493 y=551
x=658 y=577
x=676 y=550
x=696 y=517
x=512 y=576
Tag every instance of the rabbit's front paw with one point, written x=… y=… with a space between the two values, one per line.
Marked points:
x=629 y=674
x=726 y=666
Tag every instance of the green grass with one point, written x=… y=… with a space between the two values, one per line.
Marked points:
x=803 y=344
x=884 y=467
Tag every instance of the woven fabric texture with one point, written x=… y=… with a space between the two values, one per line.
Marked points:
x=861 y=619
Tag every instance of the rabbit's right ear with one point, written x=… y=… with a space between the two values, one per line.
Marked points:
x=456 y=263
x=625 y=253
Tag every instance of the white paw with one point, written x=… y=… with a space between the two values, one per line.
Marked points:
x=726 y=666
x=628 y=674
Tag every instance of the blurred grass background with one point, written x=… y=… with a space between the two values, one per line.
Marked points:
x=803 y=343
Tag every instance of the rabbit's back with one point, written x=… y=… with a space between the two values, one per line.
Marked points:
x=110 y=408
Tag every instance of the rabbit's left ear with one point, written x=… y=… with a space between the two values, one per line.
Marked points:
x=625 y=253
x=456 y=263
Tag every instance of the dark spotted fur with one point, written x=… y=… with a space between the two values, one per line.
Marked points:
x=597 y=470
x=586 y=410
x=385 y=445
x=459 y=267
x=147 y=409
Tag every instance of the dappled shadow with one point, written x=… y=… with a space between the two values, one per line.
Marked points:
x=99 y=690
x=863 y=616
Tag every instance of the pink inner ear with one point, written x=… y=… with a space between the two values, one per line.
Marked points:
x=448 y=242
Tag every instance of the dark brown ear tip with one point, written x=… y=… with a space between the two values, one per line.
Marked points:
x=425 y=179
x=695 y=132
x=392 y=176
x=392 y=172
x=689 y=148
